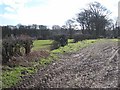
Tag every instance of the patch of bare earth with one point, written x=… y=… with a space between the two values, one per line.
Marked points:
x=26 y=60
x=95 y=66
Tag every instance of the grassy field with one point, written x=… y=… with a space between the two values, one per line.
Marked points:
x=41 y=44
x=11 y=76
x=44 y=44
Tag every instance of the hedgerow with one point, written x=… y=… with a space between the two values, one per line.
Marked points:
x=11 y=46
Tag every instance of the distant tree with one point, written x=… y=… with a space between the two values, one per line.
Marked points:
x=43 y=32
x=42 y=27
x=69 y=24
x=56 y=27
x=94 y=19
x=28 y=27
x=64 y=27
x=6 y=31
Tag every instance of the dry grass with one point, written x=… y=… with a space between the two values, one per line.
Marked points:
x=26 y=60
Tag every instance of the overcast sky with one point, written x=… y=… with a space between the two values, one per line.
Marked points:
x=46 y=12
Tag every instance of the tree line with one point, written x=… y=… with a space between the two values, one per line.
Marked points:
x=93 y=20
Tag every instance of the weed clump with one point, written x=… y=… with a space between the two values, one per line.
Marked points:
x=59 y=40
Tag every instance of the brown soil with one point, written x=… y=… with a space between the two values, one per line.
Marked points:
x=95 y=66
x=26 y=60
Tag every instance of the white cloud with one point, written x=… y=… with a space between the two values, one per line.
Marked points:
x=9 y=9
x=14 y=4
x=9 y=16
x=53 y=12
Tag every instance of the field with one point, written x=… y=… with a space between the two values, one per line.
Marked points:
x=94 y=66
x=12 y=75
x=42 y=44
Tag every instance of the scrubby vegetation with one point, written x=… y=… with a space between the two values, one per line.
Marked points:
x=81 y=37
x=59 y=41
x=12 y=46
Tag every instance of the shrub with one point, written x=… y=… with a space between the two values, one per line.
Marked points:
x=62 y=39
x=7 y=48
x=39 y=38
x=89 y=37
x=11 y=46
x=26 y=42
x=59 y=40
x=78 y=37
x=55 y=45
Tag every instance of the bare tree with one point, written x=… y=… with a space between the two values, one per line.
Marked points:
x=94 y=19
x=69 y=24
x=56 y=27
